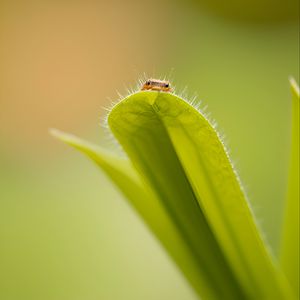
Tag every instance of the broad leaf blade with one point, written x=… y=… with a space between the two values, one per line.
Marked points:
x=144 y=138
x=290 y=240
x=178 y=153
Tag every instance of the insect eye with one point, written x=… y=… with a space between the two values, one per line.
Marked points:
x=148 y=82
x=167 y=85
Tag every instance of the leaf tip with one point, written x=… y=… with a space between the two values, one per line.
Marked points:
x=294 y=86
x=54 y=132
x=62 y=136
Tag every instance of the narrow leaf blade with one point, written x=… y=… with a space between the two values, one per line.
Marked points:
x=149 y=207
x=290 y=237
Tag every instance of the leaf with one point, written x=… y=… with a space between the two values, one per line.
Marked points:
x=156 y=217
x=180 y=180
x=179 y=154
x=290 y=238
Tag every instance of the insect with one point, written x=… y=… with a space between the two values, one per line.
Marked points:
x=156 y=85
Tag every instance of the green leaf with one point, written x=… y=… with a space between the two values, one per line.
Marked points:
x=290 y=239
x=180 y=180
x=157 y=218
x=179 y=154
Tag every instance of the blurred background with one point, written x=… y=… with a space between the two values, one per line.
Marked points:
x=66 y=233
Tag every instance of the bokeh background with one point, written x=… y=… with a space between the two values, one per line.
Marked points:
x=66 y=233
